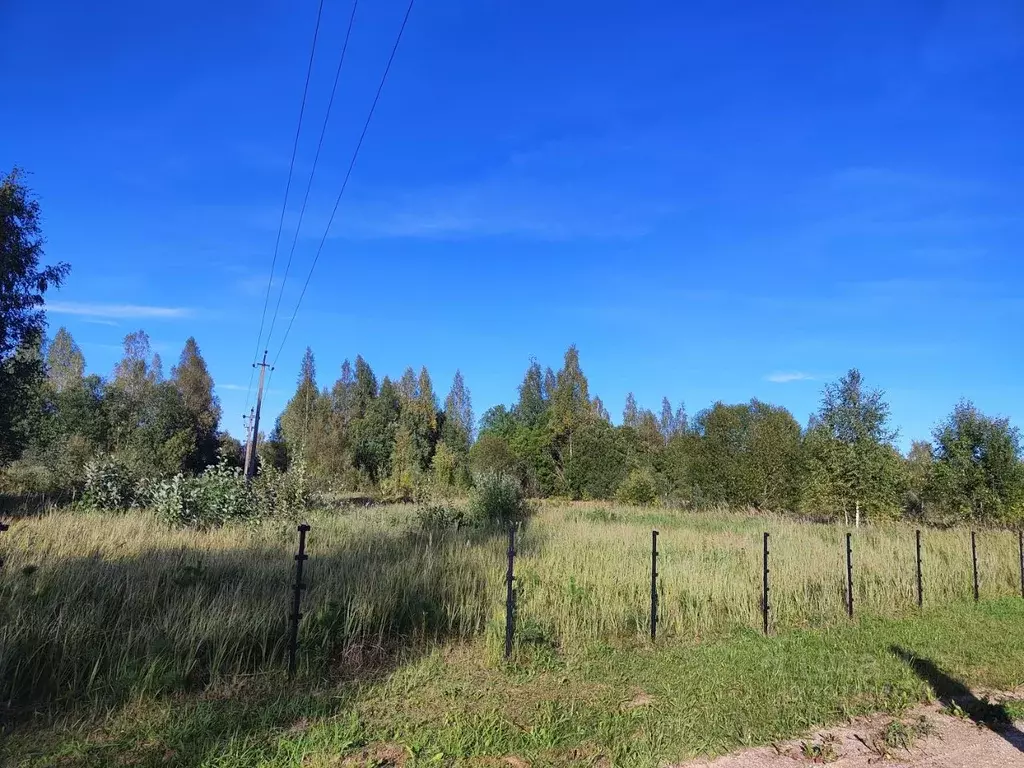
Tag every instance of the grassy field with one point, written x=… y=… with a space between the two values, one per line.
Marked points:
x=119 y=636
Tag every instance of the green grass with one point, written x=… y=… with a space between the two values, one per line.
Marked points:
x=121 y=637
x=633 y=707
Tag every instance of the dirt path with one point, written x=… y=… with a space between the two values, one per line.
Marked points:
x=943 y=741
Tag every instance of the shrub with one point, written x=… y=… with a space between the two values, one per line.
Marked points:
x=639 y=488
x=281 y=494
x=217 y=496
x=435 y=517
x=25 y=477
x=110 y=485
x=497 y=500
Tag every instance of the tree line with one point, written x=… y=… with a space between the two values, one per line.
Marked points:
x=396 y=438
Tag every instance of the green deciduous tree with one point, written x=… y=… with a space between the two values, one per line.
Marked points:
x=65 y=363
x=630 y=413
x=570 y=404
x=977 y=472
x=920 y=469
x=23 y=283
x=746 y=455
x=532 y=406
x=851 y=464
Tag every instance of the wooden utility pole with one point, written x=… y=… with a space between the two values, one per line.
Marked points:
x=246 y=421
x=254 y=424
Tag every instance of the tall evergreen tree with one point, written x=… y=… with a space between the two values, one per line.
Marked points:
x=459 y=426
x=374 y=434
x=407 y=385
x=365 y=390
x=451 y=458
x=300 y=425
x=599 y=410
x=195 y=385
x=343 y=393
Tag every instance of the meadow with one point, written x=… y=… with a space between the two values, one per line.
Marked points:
x=104 y=616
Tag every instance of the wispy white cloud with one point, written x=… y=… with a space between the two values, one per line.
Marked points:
x=786 y=377
x=99 y=321
x=118 y=311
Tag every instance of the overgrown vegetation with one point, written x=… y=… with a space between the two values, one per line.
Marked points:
x=137 y=434
x=190 y=607
x=601 y=703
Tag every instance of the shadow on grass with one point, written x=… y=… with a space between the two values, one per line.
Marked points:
x=954 y=694
x=88 y=631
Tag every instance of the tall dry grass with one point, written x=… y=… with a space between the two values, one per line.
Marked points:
x=98 y=606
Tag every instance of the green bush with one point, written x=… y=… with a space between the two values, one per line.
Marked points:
x=218 y=496
x=110 y=485
x=639 y=487
x=281 y=494
x=497 y=499
x=439 y=517
x=26 y=477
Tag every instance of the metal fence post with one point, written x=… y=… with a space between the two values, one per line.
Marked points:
x=764 y=587
x=974 y=562
x=6 y=527
x=510 y=596
x=849 y=575
x=300 y=558
x=654 y=585
x=920 y=585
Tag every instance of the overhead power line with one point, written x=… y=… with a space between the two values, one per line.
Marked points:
x=287 y=189
x=312 y=173
x=348 y=174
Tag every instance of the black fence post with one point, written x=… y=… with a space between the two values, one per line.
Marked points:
x=920 y=585
x=510 y=596
x=849 y=575
x=300 y=558
x=1020 y=543
x=764 y=588
x=6 y=527
x=974 y=562
x=654 y=585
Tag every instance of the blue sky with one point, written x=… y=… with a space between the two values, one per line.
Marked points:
x=716 y=200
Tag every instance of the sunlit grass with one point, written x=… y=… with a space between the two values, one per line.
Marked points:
x=102 y=607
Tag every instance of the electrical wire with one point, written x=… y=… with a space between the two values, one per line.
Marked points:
x=287 y=189
x=316 y=160
x=348 y=174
